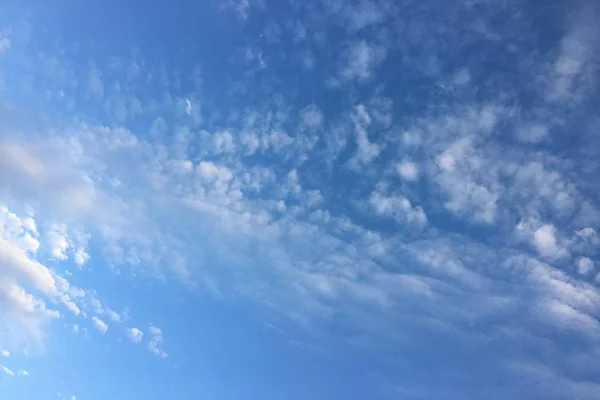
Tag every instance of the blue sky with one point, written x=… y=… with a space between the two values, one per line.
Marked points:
x=299 y=199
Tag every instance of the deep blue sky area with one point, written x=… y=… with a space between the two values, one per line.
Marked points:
x=323 y=199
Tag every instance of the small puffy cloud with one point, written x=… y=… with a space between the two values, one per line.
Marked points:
x=211 y=172
x=135 y=334
x=5 y=353
x=585 y=266
x=100 y=325
x=397 y=207
x=113 y=315
x=22 y=372
x=71 y=306
x=80 y=257
x=408 y=170
x=156 y=341
x=546 y=242
x=6 y=370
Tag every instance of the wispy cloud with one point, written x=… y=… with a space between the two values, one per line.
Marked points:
x=100 y=325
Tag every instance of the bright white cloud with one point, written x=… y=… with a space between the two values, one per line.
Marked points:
x=5 y=353
x=397 y=207
x=113 y=315
x=7 y=371
x=585 y=266
x=100 y=325
x=22 y=372
x=367 y=151
x=546 y=242
x=135 y=334
x=408 y=170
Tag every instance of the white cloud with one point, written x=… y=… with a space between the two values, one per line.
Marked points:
x=362 y=58
x=22 y=372
x=156 y=341
x=113 y=315
x=546 y=242
x=397 y=207
x=100 y=325
x=367 y=151
x=135 y=334
x=567 y=316
x=211 y=172
x=17 y=263
x=58 y=241
x=585 y=266
x=6 y=371
x=5 y=353
x=408 y=170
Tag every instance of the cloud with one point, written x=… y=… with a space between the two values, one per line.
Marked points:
x=366 y=150
x=113 y=315
x=22 y=372
x=408 y=170
x=58 y=242
x=100 y=325
x=156 y=341
x=546 y=243
x=397 y=207
x=7 y=371
x=585 y=266
x=361 y=60
x=573 y=69
x=311 y=117
x=5 y=353
x=135 y=335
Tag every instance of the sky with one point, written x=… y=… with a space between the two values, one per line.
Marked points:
x=321 y=199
